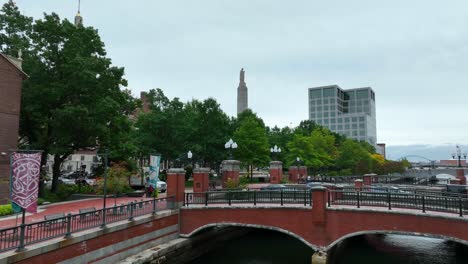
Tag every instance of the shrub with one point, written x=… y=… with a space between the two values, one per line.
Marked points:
x=6 y=209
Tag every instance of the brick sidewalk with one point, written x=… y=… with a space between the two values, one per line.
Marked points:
x=72 y=207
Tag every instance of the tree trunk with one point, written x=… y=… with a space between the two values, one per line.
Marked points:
x=42 y=175
x=56 y=172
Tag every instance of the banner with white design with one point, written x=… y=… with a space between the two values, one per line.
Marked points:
x=25 y=170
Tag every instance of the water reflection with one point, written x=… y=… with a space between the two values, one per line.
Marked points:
x=270 y=247
x=386 y=249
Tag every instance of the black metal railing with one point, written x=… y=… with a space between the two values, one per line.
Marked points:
x=281 y=197
x=423 y=202
x=21 y=236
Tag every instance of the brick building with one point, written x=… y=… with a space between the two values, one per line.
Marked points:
x=11 y=78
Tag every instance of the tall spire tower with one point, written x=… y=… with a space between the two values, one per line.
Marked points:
x=242 y=94
x=78 y=17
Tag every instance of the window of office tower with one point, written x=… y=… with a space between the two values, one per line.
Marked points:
x=329 y=92
x=315 y=93
x=362 y=94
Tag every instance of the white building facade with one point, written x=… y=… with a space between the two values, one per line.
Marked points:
x=348 y=112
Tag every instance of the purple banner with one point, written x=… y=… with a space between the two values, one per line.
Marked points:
x=25 y=168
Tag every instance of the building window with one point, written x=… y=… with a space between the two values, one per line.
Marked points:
x=362 y=94
x=325 y=101
x=325 y=108
x=362 y=132
x=325 y=121
x=315 y=93
x=361 y=125
x=82 y=157
x=319 y=108
x=346 y=119
x=328 y=92
x=333 y=121
x=333 y=127
x=354 y=119
x=355 y=133
x=346 y=126
x=361 y=119
x=325 y=114
x=340 y=127
x=332 y=114
x=354 y=126
x=312 y=115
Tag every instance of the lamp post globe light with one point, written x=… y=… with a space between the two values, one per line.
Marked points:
x=274 y=151
x=231 y=145
x=458 y=154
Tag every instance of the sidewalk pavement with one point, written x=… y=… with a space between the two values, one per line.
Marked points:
x=72 y=207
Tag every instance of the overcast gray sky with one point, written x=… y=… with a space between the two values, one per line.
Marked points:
x=414 y=54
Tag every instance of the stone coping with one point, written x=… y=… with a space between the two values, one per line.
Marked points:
x=176 y=171
x=401 y=211
x=201 y=170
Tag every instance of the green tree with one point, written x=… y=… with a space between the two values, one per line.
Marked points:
x=252 y=141
x=208 y=128
x=73 y=98
x=353 y=156
x=14 y=30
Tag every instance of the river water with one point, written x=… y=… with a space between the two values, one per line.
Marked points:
x=270 y=247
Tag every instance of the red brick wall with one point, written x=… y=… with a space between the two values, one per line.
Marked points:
x=93 y=244
x=10 y=100
x=308 y=225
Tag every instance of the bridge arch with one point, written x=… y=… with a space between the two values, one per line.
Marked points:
x=267 y=227
x=393 y=232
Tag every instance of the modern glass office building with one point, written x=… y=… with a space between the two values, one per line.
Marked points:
x=348 y=112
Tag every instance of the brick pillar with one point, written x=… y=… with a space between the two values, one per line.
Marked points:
x=201 y=182
x=176 y=185
x=293 y=174
x=276 y=172
x=367 y=179
x=461 y=176
x=4 y=179
x=358 y=185
x=231 y=170
x=319 y=203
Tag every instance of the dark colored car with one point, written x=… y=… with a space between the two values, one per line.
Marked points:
x=273 y=187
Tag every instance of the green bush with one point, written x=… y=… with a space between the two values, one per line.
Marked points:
x=40 y=201
x=189 y=184
x=284 y=180
x=64 y=191
x=6 y=209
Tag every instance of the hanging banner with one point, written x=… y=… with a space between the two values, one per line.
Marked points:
x=24 y=183
x=155 y=161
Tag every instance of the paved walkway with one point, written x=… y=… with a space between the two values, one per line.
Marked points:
x=72 y=207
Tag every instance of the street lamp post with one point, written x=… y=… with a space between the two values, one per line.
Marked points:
x=458 y=154
x=298 y=160
x=231 y=145
x=105 y=190
x=274 y=152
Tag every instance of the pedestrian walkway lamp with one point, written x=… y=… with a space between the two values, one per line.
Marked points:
x=458 y=154
x=298 y=162
x=231 y=145
x=275 y=151
x=104 y=155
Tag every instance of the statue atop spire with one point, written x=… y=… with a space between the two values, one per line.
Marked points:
x=242 y=93
x=78 y=17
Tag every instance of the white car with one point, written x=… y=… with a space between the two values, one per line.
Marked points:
x=162 y=186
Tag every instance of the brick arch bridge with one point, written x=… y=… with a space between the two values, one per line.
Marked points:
x=321 y=227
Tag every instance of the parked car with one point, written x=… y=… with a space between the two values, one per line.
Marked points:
x=309 y=185
x=162 y=186
x=273 y=187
